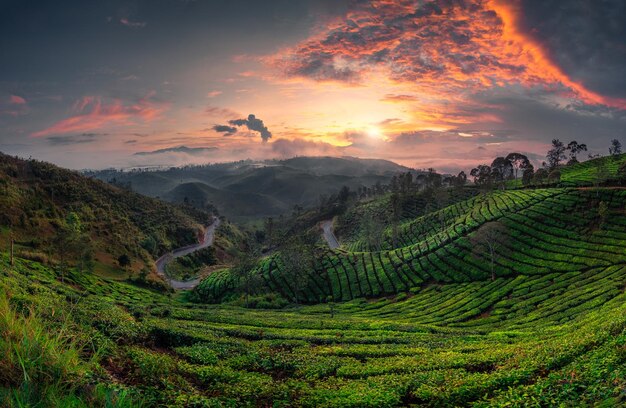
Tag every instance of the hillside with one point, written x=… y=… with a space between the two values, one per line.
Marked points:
x=601 y=170
x=549 y=231
x=256 y=189
x=550 y=338
x=421 y=320
x=39 y=197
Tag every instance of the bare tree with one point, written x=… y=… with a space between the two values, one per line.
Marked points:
x=519 y=162
x=556 y=155
x=488 y=240
x=574 y=148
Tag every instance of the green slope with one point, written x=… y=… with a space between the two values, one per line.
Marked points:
x=550 y=231
x=548 y=340
x=37 y=198
x=588 y=172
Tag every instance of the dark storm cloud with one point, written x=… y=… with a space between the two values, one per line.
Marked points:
x=585 y=38
x=194 y=151
x=74 y=139
x=254 y=124
x=227 y=130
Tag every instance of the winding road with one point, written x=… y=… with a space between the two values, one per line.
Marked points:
x=328 y=234
x=209 y=237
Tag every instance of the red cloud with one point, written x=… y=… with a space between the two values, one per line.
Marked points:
x=91 y=113
x=17 y=100
x=438 y=48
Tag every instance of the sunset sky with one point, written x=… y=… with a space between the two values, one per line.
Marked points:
x=446 y=84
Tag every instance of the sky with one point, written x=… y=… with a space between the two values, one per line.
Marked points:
x=447 y=84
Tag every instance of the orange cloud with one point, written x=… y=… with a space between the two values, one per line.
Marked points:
x=91 y=113
x=438 y=49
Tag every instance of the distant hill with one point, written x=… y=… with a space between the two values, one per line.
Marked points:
x=38 y=197
x=253 y=189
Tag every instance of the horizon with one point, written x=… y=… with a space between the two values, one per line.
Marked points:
x=441 y=84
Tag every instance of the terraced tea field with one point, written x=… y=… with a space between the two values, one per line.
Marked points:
x=549 y=231
x=528 y=340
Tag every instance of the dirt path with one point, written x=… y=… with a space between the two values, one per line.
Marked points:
x=209 y=237
x=327 y=233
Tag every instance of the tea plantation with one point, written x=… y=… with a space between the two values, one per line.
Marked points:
x=420 y=322
x=529 y=340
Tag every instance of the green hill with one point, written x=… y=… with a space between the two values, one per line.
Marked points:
x=38 y=197
x=421 y=322
x=257 y=189
x=601 y=170
x=549 y=231
x=551 y=339
x=244 y=204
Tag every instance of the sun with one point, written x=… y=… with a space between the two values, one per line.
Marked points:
x=375 y=133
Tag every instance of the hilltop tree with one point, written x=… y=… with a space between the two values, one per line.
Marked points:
x=482 y=175
x=501 y=170
x=615 y=148
x=556 y=155
x=519 y=162
x=488 y=240
x=574 y=148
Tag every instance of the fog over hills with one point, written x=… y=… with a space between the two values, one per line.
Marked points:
x=256 y=188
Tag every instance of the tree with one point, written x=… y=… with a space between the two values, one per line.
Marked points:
x=461 y=179
x=482 y=175
x=556 y=155
x=244 y=269
x=554 y=177
x=574 y=148
x=615 y=148
x=519 y=162
x=527 y=175
x=488 y=240
x=540 y=176
x=298 y=256
x=123 y=260
x=501 y=170
x=373 y=229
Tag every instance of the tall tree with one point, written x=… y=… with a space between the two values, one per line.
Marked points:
x=244 y=269
x=556 y=154
x=574 y=149
x=519 y=162
x=298 y=256
x=488 y=240
x=482 y=175
x=501 y=170
x=527 y=174
x=461 y=179
x=615 y=148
